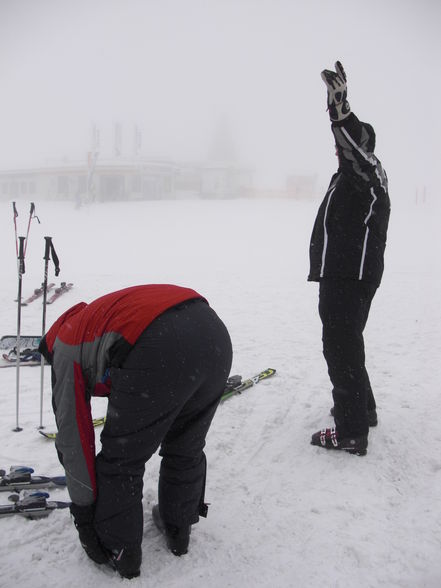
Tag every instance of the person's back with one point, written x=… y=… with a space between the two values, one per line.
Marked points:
x=101 y=334
x=350 y=231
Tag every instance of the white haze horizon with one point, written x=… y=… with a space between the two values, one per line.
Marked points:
x=178 y=70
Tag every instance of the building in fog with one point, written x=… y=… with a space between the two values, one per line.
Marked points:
x=111 y=175
x=118 y=179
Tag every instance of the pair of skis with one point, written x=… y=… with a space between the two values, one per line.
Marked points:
x=32 y=503
x=29 y=354
x=38 y=293
x=27 y=357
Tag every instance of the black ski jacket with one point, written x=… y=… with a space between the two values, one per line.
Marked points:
x=349 y=235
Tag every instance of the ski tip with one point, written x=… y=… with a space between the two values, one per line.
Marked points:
x=48 y=435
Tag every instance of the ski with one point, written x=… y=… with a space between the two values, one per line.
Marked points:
x=37 y=293
x=28 y=357
x=21 y=477
x=26 y=341
x=64 y=287
x=239 y=385
x=96 y=423
x=32 y=507
x=234 y=385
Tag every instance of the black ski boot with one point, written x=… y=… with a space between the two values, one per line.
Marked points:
x=330 y=439
x=177 y=538
x=127 y=561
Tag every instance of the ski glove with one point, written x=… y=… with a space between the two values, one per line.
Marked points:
x=83 y=521
x=338 y=106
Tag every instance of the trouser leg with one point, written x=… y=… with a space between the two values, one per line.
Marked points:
x=344 y=309
x=132 y=433
x=167 y=390
x=183 y=465
x=181 y=486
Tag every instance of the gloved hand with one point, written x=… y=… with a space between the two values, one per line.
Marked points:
x=338 y=105
x=83 y=521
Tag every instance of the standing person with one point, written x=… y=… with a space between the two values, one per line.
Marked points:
x=346 y=258
x=161 y=356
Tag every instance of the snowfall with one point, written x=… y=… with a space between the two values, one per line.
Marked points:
x=282 y=512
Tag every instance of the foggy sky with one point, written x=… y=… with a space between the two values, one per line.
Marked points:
x=177 y=68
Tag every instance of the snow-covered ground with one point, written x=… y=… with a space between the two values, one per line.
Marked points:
x=283 y=513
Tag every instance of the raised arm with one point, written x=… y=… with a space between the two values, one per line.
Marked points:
x=354 y=140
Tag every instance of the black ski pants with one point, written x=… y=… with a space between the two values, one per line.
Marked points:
x=344 y=309
x=165 y=395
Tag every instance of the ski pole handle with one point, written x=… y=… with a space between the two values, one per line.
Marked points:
x=31 y=216
x=50 y=249
x=21 y=263
x=47 y=249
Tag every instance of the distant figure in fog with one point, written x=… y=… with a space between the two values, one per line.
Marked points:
x=346 y=258
x=161 y=356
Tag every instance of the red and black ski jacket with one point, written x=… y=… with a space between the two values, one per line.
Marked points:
x=81 y=346
x=349 y=235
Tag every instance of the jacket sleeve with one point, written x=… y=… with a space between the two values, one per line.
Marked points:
x=75 y=440
x=355 y=142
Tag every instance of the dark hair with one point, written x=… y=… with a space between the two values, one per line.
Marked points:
x=370 y=145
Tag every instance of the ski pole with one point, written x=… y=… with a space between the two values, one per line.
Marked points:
x=21 y=271
x=49 y=248
x=31 y=216
x=14 y=208
x=20 y=247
